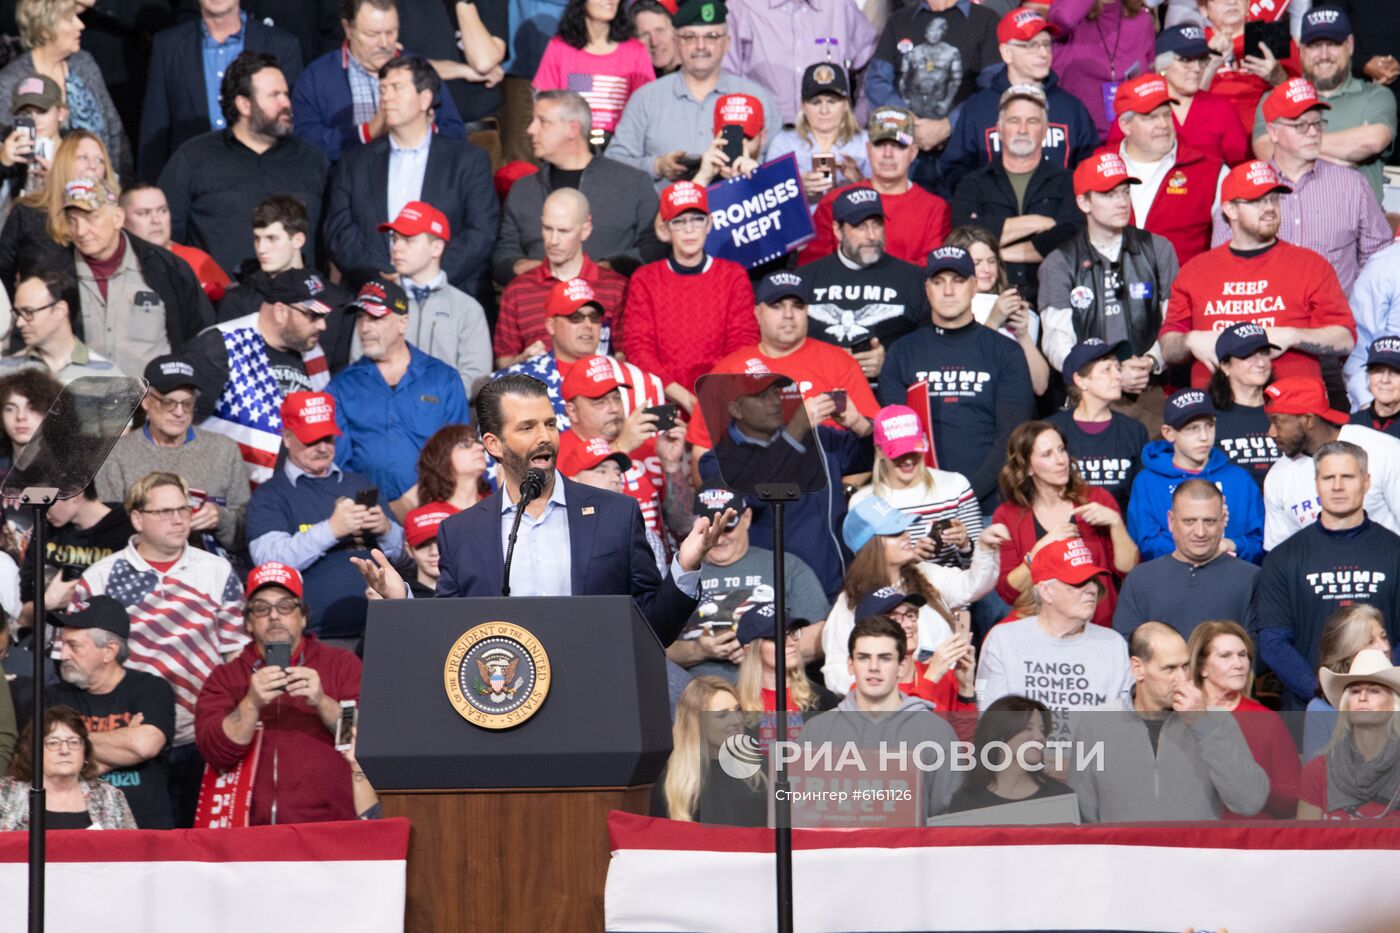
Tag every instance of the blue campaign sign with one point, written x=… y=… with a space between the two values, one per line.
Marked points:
x=760 y=217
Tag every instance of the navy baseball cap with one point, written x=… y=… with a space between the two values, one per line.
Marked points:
x=884 y=600
x=1184 y=41
x=856 y=204
x=758 y=623
x=1186 y=406
x=953 y=259
x=1385 y=351
x=1087 y=351
x=714 y=497
x=1242 y=340
x=1324 y=22
x=775 y=286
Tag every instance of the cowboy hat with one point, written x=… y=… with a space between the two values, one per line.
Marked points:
x=1369 y=666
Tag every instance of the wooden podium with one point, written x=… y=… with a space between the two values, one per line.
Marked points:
x=509 y=826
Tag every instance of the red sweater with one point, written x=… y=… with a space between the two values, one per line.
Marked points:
x=312 y=780
x=1286 y=286
x=678 y=326
x=521 y=320
x=1021 y=522
x=916 y=223
x=1275 y=752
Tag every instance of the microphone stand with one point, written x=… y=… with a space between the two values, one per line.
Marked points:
x=530 y=489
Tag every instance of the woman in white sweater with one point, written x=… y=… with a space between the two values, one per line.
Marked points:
x=885 y=555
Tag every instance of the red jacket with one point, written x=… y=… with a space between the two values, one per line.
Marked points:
x=1211 y=127
x=1021 y=522
x=943 y=694
x=1181 y=210
x=299 y=768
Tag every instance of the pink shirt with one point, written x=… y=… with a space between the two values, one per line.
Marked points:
x=605 y=81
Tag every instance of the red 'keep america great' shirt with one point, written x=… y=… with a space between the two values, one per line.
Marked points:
x=1284 y=286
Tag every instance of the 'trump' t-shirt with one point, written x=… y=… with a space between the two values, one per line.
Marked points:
x=138 y=692
x=1281 y=286
x=1109 y=458
x=979 y=389
x=1242 y=434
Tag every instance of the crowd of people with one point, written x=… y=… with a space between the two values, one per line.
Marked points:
x=1097 y=341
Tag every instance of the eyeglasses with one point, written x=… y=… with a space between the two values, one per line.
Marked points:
x=695 y=38
x=1272 y=199
x=284 y=607
x=169 y=405
x=27 y=314
x=687 y=221
x=167 y=515
x=578 y=317
x=1042 y=45
x=1306 y=127
x=53 y=743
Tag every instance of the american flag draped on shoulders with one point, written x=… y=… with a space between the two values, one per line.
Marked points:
x=248 y=410
x=645 y=389
x=184 y=621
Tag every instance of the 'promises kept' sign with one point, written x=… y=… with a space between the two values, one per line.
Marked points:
x=761 y=217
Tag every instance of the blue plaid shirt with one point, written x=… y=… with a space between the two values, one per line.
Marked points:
x=364 y=89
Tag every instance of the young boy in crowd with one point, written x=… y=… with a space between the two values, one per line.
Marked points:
x=442 y=320
x=1189 y=452
x=420 y=528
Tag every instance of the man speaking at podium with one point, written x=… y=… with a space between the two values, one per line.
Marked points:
x=574 y=540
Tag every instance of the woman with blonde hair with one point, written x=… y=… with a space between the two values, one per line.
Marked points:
x=37 y=229
x=757 y=677
x=1045 y=500
x=941 y=503
x=1347 y=632
x=691 y=787
x=1358 y=775
x=52 y=31
x=1221 y=658
x=887 y=556
x=826 y=126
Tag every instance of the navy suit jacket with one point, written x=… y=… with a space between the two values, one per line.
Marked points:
x=457 y=182
x=608 y=550
x=177 y=108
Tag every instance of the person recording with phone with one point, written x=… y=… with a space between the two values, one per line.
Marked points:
x=738 y=140
x=564 y=538
x=292 y=683
x=28 y=148
x=311 y=514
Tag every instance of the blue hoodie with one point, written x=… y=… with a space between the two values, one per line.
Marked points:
x=1151 y=499
x=1069 y=137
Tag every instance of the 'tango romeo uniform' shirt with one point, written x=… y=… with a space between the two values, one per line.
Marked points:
x=978 y=387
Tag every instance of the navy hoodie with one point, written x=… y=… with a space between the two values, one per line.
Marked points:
x=1069 y=136
x=1152 y=498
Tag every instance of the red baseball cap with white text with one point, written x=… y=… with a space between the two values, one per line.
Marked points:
x=591 y=377
x=1250 y=181
x=1291 y=99
x=1142 y=94
x=310 y=416
x=1023 y=25
x=273 y=573
x=1069 y=561
x=421 y=524
x=568 y=296
x=740 y=110
x=419 y=217
x=681 y=197
x=1102 y=173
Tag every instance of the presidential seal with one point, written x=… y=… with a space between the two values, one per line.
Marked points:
x=496 y=675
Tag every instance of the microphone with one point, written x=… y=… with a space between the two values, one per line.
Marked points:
x=530 y=488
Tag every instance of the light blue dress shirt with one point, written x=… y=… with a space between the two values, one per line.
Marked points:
x=406 y=170
x=217 y=57
x=542 y=564
x=304 y=548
